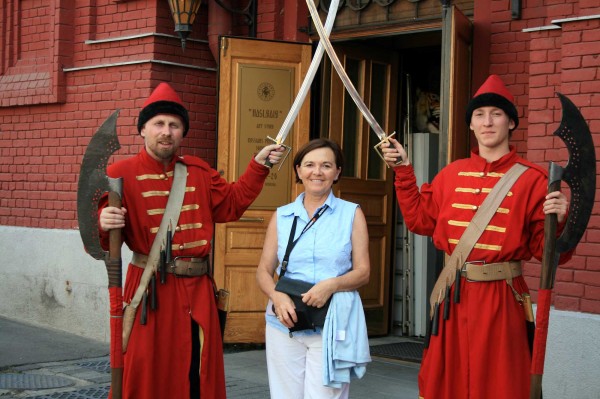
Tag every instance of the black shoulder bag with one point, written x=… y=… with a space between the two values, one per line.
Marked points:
x=309 y=317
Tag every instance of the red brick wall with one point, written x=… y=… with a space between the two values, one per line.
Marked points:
x=282 y=20
x=30 y=55
x=536 y=65
x=41 y=146
x=269 y=24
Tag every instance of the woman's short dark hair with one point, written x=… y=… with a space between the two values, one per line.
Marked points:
x=315 y=144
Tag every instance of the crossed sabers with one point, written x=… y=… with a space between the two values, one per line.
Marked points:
x=325 y=45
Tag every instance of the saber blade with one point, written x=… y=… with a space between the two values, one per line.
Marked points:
x=308 y=79
x=342 y=73
x=304 y=88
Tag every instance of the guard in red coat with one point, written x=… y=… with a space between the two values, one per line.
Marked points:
x=177 y=351
x=480 y=350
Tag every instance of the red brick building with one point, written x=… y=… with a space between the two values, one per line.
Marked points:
x=65 y=66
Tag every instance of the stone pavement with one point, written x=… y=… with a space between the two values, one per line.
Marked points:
x=48 y=364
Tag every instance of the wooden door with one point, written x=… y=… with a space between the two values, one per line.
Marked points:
x=365 y=179
x=258 y=82
x=456 y=87
x=454 y=141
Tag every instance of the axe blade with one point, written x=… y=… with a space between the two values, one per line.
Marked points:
x=93 y=183
x=579 y=173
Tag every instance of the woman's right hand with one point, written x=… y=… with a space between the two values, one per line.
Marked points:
x=112 y=218
x=284 y=309
x=283 y=306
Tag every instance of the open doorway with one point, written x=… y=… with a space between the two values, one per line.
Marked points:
x=422 y=101
x=414 y=93
x=416 y=262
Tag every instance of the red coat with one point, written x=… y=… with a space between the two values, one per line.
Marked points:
x=482 y=350
x=157 y=360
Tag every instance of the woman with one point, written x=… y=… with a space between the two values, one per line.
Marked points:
x=332 y=253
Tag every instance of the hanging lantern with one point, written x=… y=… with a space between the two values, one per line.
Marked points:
x=184 y=13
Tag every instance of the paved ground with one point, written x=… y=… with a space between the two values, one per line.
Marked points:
x=48 y=364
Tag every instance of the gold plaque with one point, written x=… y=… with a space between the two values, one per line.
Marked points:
x=265 y=97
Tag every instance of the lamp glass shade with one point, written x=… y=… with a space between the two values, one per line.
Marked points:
x=184 y=13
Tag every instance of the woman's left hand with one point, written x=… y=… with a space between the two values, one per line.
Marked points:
x=319 y=294
x=556 y=202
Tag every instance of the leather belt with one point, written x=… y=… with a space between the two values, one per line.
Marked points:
x=476 y=271
x=181 y=266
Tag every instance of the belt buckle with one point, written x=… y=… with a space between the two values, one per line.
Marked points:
x=473 y=262
x=173 y=262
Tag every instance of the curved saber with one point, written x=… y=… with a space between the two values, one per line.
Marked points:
x=304 y=88
x=342 y=73
x=310 y=75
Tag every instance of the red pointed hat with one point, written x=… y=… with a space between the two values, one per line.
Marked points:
x=493 y=93
x=163 y=100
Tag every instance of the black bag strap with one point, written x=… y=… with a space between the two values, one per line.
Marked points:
x=292 y=242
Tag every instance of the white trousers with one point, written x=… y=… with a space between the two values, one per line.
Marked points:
x=295 y=367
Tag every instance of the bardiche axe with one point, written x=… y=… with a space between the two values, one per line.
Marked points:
x=93 y=185
x=580 y=175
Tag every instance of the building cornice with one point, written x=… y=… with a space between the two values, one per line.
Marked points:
x=137 y=62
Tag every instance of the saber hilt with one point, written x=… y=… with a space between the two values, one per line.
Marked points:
x=153 y=298
x=168 y=248
x=377 y=148
x=457 y=286
x=162 y=266
x=288 y=148
x=447 y=303
x=144 y=311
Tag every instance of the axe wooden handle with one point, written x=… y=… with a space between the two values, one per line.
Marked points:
x=549 y=263
x=114 y=270
x=549 y=255
x=115 y=243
